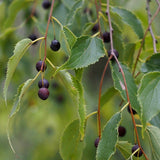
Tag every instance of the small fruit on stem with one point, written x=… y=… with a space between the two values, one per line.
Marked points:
x=43 y=93
x=95 y=28
x=121 y=131
x=138 y=153
x=96 y=142
x=115 y=52
x=106 y=37
x=46 y=4
x=39 y=65
x=45 y=83
x=134 y=112
x=55 y=45
x=33 y=37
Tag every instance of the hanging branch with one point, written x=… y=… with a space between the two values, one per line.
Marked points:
x=125 y=84
x=45 y=37
x=150 y=28
x=145 y=34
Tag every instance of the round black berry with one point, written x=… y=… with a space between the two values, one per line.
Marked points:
x=106 y=37
x=33 y=37
x=55 y=45
x=121 y=131
x=43 y=93
x=46 y=4
x=134 y=112
x=138 y=153
x=115 y=52
x=96 y=142
x=95 y=28
x=45 y=83
x=39 y=65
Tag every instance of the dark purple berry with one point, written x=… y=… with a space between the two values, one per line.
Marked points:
x=96 y=142
x=95 y=28
x=121 y=131
x=115 y=52
x=55 y=45
x=45 y=83
x=43 y=93
x=46 y=4
x=134 y=112
x=106 y=37
x=39 y=65
x=33 y=37
x=138 y=153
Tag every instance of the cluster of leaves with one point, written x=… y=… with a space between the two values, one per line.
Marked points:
x=84 y=50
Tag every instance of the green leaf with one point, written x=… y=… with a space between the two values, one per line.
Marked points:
x=70 y=37
x=129 y=53
x=107 y=144
x=129 y=18
x=149 y=96
x=125 y=148
x=81 y=109
x=154 y=139
x=71 y=148
x=20 y=93
x=108 y=95
x=13 y=9
x=19 y=51
x=69 y=3
x=86 y=51
x=119 y=84
x=152 y=64
x=76 y=7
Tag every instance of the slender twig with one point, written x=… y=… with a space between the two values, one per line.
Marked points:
x=158 y=2
x=150 y=28
x=124 y=79
x=99 y=99
x=99 y=25
x=45 y=37
x=145 y=34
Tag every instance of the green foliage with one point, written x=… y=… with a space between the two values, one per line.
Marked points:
x=74 y=73
x=148 y=96
x=71 y=147
x=106 y=146
x=153 y=135
x=19 y=51
x=119 y=85
x=152 y=64
x=130 y=19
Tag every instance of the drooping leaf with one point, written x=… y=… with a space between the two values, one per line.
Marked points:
x=19 y=51
x=20 y=93
x=108 y=95
x=149 y=96
x=107 y=144
x=14 y=8
x=131 y=19
x=81 y=103
x=85 y=51
x=152 y=64
x=70 y=37
x=154 y=139
x=71 y=148
x=119 y=84
x=129 y=53
x=76 y=7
